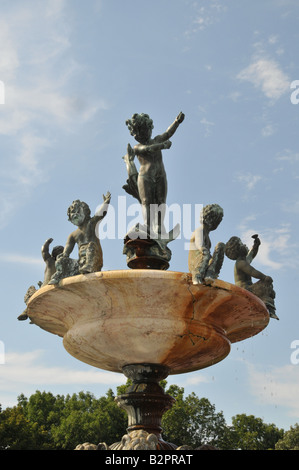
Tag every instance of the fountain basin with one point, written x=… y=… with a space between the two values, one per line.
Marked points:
x=115 y=318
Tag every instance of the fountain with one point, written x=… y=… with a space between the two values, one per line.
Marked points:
x=145 y=322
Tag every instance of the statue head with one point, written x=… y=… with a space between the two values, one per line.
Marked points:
x=57 y=250
x=140 y=127
x=78 y=212
x=211 y=216
x=235 y=248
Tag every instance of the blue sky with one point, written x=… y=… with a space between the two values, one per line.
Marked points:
x=73 y=74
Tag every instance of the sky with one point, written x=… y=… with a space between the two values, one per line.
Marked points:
x=71 y=74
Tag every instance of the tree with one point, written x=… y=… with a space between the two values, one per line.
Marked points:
x=87 y=419
x=251 y=433
x=43 y=408
x=290 y=440
x=19 y=433
x=45 y=421
x=192 y=421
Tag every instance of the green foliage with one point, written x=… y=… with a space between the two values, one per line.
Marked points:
x=290 y=439
x=251 y=433
x=18 y=433
x=48 y=422
x=193 y=421
x=45 y=421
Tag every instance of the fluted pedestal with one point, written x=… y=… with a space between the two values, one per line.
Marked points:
x=145 y=400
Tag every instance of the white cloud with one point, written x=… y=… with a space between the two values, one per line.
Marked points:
x=288 y=156
x=235 y=95
x=196 y=379
x=248 y=179
x=25 y=372
x=206 y=16
x=291 y=207
x=266 y=75
x=273 y=39
x=20 y=259
x=276 y=250
x=279 y=387
x=268 y=130
x=207 y=125
x=41 y=103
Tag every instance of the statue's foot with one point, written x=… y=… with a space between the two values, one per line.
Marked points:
x=23 y=316
x=208 y=281
x=197 y=280
x=273 y=315
x=54 y=281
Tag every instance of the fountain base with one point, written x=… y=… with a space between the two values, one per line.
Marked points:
x=147 y=324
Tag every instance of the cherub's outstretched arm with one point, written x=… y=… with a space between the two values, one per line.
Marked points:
x=141 y=149
x=171 y=129
x=248 y=269
x=100 y=214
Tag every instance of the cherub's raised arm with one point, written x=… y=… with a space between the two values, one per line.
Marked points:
x=254 y=250
x=45 y=249
x=171 y=129
x=102 y=211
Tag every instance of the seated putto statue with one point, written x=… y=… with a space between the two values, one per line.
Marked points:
x=49 y=259
x=243 y=272
x=202 y=265
x=89 y=246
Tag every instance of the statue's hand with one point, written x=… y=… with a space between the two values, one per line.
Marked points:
x=129 y=157
x=167 y=144
x=180 y=117
x=107 y=198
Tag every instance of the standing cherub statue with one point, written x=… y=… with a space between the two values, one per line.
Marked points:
x=202 y=265
x=149 y=186
x=243 y=272
x=89 y=246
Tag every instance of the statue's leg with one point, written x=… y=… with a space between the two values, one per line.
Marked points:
x=161 y=195
x=146 y=191
x=264 y=290
x=91 y=259
x=215 y=263
x=65 y=267
x=199 y=265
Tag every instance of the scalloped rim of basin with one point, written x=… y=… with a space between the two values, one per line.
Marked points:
x=113 y=318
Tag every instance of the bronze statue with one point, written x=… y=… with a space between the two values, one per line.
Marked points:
x=243 y=272
x=202 y=265
x=89 y=246
x=50 y=260
x=146 y=245
x=149 y=186
x=50 y=269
